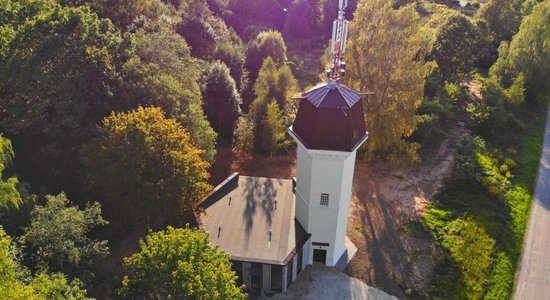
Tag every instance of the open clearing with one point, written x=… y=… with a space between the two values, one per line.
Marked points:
x=387 y=204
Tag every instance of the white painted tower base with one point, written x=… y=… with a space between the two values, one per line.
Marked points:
x=323 y=195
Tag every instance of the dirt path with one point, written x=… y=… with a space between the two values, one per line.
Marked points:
x=387 y=205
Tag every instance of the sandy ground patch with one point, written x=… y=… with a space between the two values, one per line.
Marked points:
x=387 y=205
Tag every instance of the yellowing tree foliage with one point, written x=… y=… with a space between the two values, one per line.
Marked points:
x=273 y=128
x=9 y=195
x=385 y=55
x=144 y=167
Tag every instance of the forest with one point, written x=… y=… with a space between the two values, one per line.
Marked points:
x=114 y=112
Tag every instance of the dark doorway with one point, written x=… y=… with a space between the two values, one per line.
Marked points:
x=256 y=272
x=237 y=267
x=276 y=278
x=319 y=256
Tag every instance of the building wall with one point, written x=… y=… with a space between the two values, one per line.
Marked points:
x=267 y=273
x=329 y=172
x=307 y=257
x=285 y=273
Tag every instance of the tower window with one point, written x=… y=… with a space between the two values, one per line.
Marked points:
x=324 y=199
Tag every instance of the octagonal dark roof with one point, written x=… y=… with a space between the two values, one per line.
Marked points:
x=332 y=95
x=330 y=117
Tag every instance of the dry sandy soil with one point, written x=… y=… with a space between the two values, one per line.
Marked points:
x=386 y=205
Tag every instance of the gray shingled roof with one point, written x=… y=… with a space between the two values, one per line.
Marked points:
x=247 y=209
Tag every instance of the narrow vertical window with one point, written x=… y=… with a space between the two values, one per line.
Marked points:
x=324 y=199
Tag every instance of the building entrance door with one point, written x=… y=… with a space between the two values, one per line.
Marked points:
x=319 y=256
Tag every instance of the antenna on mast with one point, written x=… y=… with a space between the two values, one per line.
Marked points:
x=338 y=44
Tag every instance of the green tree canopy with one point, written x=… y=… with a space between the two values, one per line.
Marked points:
x=15 y=283
x=232 y=53
x=57 y=80
x=277 y=84
x=502 y=18
x=528 y=53
x=454 y=47
x=385 y=55
x=221 y=100
x=273 y=133
x=179 y=264
x=129 y=15
x=266 y=43
x=144 y=167
x=9 y=195
x=57 y=237
x=167 y=76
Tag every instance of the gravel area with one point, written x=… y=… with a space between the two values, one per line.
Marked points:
x=324 y=283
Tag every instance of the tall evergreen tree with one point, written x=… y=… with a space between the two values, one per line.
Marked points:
x=221 y=100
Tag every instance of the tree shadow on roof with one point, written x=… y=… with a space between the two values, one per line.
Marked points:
x=259 y=193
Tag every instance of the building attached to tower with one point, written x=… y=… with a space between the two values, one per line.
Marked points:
x=274 y=228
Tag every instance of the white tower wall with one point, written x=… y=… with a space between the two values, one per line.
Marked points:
x=324 y=172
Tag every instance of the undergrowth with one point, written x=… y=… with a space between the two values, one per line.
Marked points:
x=481 y=214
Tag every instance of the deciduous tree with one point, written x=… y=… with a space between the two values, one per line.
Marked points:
x=57 y=80
x=385 y=55
x=9 y=195
x=267 y=43
x=167 y=76
x=221 y=100
x=454 y=47
x=528 y=53
x=144 y=167
x=15 y=283
x=502 y=18
x=273 y=133
x=180 y=264
x=57 y=237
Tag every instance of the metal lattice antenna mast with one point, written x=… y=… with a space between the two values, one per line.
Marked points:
x=338 y=44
